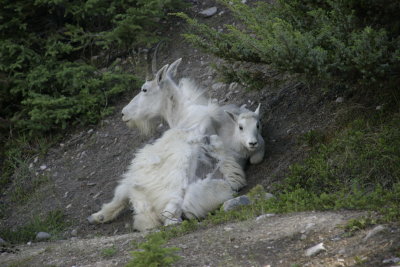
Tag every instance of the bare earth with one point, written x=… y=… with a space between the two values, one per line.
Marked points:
x=85 y=167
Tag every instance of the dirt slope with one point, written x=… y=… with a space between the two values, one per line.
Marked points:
x=269 y=240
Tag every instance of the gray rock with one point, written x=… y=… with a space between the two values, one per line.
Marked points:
x=374 y=232
x=218 y=86
x=315 y=250
x=236 y=202
x=392 y=260
x=42 y=236
x=339 y=100
x=267 y=215
x=2 y=242
x=74 y=232
x=209 y=12
x=269 y=196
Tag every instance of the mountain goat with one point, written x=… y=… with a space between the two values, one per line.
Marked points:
x=164 y=179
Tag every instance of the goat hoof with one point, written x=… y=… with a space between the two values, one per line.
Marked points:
x=92 y=219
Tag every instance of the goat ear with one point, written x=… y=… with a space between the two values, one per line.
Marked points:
x=161 y=74
x=173 y=67
x=257 y=111
x=232 y=116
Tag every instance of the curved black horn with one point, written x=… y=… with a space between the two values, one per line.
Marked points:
x=154 y=59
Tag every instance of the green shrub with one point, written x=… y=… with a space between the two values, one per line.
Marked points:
x=56 y=67
x=47 y=76
x=153 y=253
x=353 y=43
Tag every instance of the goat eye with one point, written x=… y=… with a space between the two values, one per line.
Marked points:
x=144 y=90
x=241 y=128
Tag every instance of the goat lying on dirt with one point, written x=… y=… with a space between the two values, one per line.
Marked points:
x=179 y=173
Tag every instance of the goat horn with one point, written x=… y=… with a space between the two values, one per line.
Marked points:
x=154 y=59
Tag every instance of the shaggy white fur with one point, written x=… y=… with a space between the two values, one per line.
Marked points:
x=162 y=183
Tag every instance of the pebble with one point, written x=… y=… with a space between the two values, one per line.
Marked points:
x=2 y=242
x=43 y=167
x=339 y=100
x=74 y=232
x=374 y=231
x=42 y=236
x=392 y=260
x=209 y=12
x=236 y=202
x=269 y=196
x=218 y=86
x=315 y=250
x=265 y=216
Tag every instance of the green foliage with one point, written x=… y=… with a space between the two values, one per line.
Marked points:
x=358 y=224
x=48 y=81
x=109 y=252
x=57 y=56
x=152 y=253
x=351 y=43
x=53 y=224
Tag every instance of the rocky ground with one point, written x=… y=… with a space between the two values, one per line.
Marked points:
x=85 y=167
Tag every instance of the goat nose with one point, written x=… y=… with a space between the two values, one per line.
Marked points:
x=253 y=143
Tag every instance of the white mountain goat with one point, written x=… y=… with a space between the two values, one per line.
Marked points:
x=178 y=173
x=186 y=106
x=245 y=129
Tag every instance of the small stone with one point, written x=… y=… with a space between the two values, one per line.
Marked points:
x=392 y=260
x=374 y=231
x=236 y=202
x=228 y=229
x=42 y=236
x=233 y=86
x=97 y=195
x=307 y=228
x=35 y=160
x=209 y=12
x=269 y=196
x=315 y=250
x=29 y=243
x=218 y=86
x=31 y=165
x=339 y=99
x=91 y=184
x=62 y=145
x=379 y=107
x=66 y=194
x=74 y=232
x=265 y=216
x=68 y=206
x=2 y=242
x=244 y=1
x=90 y=131
x=43 y=167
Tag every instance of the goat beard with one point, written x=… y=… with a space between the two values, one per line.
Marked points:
x=145 y=127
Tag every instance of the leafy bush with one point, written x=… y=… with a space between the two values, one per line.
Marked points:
x=56 y=67
x=47 y=74
x=354 y=43
x=153 y=253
